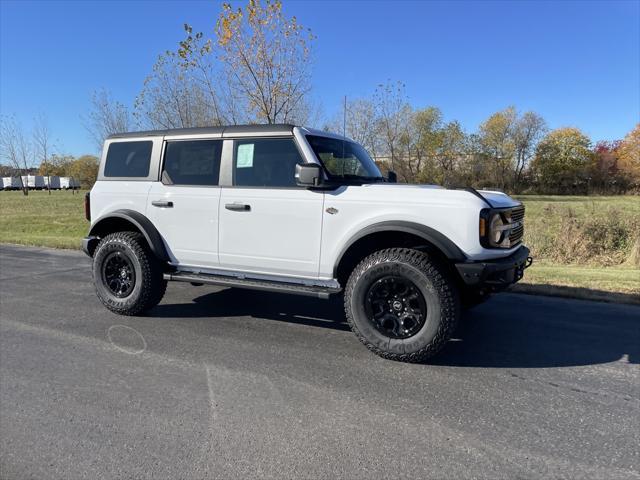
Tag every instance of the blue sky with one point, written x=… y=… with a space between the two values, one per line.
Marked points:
x=576 y=63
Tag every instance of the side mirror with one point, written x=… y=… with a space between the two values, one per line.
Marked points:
x=308 y=175
x=392 y=177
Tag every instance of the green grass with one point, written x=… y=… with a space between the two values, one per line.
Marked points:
x=566 y=263
x=620 y=283
x=44 y=220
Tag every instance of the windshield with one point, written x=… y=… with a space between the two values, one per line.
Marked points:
x=344 y=159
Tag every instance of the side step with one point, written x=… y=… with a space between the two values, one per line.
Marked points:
x=318 y=291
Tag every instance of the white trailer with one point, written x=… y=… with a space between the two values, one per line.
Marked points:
x=69 y=183
x=52 y=181
x=33 y=182
x=11 y=183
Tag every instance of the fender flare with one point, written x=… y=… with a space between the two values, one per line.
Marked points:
x=430 y=235
x=142 y=223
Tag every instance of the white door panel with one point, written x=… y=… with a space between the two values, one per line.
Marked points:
x=279 y=232
x=190 y=225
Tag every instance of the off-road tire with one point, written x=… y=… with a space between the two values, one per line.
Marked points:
x=149 y=286
x=439 y=292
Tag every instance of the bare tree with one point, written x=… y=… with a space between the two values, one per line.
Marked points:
x=173 y=96
x=393 y=112
x=42 y=144
x=266 y=61
x=106 y=117
x=15 y=148
x=527 y=132
x=361 y=124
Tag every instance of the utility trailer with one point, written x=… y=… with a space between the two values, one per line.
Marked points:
x=11 y=183
x=69 y=183
x=33 y=182
x=52 y=181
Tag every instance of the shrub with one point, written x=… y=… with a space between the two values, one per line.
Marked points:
x=605 y=237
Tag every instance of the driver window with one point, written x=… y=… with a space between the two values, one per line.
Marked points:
x=266 y=162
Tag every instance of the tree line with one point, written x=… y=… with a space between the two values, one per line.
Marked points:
x=255 y=68
x=510 y=151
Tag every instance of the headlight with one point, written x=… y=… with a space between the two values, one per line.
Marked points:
x=495 y=228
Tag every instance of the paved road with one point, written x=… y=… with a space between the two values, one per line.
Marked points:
x=238 y=384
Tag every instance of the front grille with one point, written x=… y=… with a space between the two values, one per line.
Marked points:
x=517 y=216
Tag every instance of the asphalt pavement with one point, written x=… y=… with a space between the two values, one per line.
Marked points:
x=224 y=383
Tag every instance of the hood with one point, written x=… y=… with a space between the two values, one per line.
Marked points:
x=498 y=199
x=495 y=198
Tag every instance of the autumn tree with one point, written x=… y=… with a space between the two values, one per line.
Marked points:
x=629 y=155
x=266 y=61
x=563 y=160
x=605 y=173
x=84 y=169
x=497 y=139
x=56 y=165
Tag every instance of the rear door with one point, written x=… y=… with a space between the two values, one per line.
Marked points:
x=184 y=204
x=268 y=224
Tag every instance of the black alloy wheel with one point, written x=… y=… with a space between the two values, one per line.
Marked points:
x=118 y=274
x=127 y=276
x=396 y=307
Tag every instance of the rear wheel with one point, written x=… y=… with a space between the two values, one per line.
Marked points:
x=401 y=304
x=127 y=276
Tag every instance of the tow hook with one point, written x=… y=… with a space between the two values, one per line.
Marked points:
x=528 y=262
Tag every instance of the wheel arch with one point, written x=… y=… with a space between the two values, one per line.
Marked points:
x=394 y=234
x=123 y=220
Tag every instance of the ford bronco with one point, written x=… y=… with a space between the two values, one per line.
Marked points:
x=289 y=209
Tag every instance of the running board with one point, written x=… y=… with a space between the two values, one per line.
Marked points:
x=254 y=284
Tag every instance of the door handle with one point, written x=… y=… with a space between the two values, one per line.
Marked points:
x=162 y=204
x=238 y=207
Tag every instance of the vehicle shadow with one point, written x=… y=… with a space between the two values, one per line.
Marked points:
x=235 y=302
x=527 y=331
x=508 y=331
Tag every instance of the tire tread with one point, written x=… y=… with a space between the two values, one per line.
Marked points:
x=445 y=288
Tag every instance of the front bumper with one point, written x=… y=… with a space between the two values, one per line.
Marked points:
x=496 y=274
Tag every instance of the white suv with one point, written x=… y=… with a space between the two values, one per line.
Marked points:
x=291 y=209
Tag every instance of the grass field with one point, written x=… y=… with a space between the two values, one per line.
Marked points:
x=43 y=220
x=583 y=246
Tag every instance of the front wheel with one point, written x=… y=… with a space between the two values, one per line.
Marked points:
x=127 y=276
x=401 y=304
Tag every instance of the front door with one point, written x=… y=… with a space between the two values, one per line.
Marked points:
x=269 y=225
x=184 y=205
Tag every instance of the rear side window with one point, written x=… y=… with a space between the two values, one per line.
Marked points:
x=268 y=162
x=128 y=159
x=194 y=162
